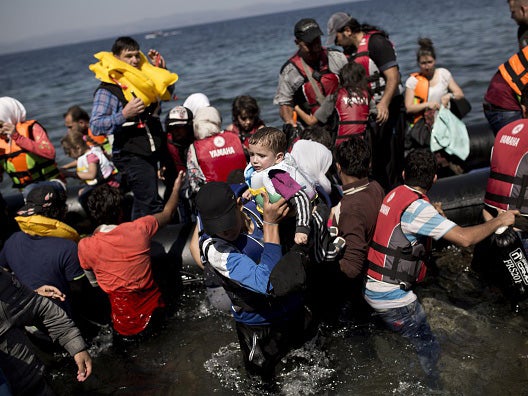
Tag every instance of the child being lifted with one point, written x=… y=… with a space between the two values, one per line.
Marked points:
x=273 y=169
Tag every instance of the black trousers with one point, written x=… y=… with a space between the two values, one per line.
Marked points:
x=264 y=346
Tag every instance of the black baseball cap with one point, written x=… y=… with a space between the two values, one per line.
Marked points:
x=43 y=197
x=307 y=30
x=217 y=207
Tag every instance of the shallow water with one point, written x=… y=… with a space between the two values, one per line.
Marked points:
x=483 y=350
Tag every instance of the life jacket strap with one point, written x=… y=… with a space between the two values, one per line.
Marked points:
x=394 y=276
x=398 y=254
x=516 y=78
x=517 y=202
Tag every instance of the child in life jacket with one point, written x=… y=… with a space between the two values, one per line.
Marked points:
x=93 y=167
x=272 y=169
x=350 y=105
x=246 y=118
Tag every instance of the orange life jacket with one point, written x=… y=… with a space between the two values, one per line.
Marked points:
x=22 y=166
x=421 y=93
x=515 y=71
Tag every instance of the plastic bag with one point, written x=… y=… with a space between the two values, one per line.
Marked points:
x=449 y=134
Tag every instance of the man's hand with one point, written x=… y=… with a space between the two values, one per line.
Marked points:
x=507 y=218
x=383 y=113
x=274 y=212
x=51 y=292
x=133 y=108
x=84 y=365
x=179 y=181
x=156 y=59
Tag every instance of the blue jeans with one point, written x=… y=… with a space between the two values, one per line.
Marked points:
x=141 y=175
x=410 y=321
x=498 y=119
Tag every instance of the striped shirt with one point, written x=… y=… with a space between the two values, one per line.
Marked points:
x=418 y=221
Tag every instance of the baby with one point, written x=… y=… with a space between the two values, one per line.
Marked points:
x=273 y=169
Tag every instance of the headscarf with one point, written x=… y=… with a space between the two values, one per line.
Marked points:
x=11 y=110
x=207 y=122
x=314 y=160
x=196 y=101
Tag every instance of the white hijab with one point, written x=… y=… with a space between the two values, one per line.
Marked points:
x=314 y=160
x=196 y=101
x=11 y=110
x=206 y=122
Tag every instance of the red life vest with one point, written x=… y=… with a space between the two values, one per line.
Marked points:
x=391 y=257
x=326 y=81
x=22 y=166
x=374 y=77
x=353 y=112
x=508 y=180
x=219 y=155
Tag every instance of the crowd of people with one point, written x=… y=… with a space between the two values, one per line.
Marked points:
x=330 y=210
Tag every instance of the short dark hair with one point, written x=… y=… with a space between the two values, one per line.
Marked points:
x=353 y=156
x=270 y=137
x=318 y=134
x=104 y=205
x=356 y=27
x=124 y=43
x=420 y=168
x=77 y=114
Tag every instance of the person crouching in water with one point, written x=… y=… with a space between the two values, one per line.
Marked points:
x=119 y=255
x=268 y=322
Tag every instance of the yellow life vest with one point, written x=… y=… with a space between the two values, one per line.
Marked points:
x=38 y=225
x=515 y=71
x=146 y=82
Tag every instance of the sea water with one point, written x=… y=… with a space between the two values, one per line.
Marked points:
x=484 y=348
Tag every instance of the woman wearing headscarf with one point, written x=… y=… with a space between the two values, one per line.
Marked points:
x=215 y=153
x=26 y=153
x=196 y=101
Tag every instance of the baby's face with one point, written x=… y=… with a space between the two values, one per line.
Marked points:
x=261 y=157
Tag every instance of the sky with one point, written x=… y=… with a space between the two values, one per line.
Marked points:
x=31 y=24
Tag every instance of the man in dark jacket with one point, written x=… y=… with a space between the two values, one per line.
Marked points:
x=19 y=307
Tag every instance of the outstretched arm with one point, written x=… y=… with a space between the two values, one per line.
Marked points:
x=165 y=216
x=468 y=236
